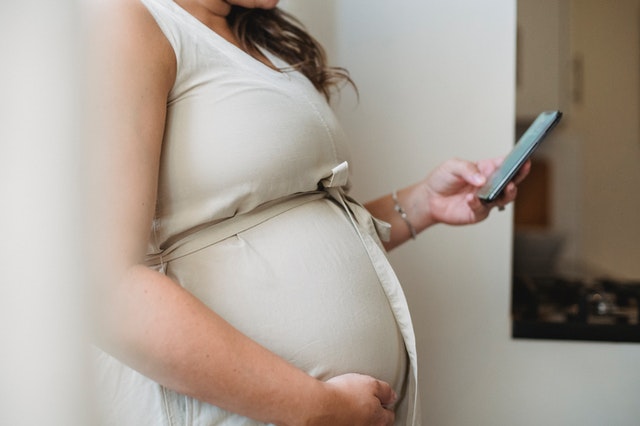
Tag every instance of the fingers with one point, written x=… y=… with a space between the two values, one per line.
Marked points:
x=488 y=167
x=481 y=209
x=523 y=172
x=508 y=196
x=460 y=178
x=368 y=401
x=387 y=397
x=385 y=393
x=388 y=417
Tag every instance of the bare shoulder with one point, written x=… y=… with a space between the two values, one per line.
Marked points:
x=124 y=31
x=119 y=15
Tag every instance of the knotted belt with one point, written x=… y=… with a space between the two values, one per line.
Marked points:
x=212 y=234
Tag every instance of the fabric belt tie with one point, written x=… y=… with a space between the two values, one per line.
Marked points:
x=334 y=185
x=212 y=234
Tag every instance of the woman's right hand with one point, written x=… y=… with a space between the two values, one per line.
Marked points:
x=357 y=399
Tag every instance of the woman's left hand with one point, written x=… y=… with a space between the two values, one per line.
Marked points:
x=451 y=191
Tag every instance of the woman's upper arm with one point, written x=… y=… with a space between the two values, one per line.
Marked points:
x=132 y=68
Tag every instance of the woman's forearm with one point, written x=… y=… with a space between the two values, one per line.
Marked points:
x=412 y=201
x=164 y=332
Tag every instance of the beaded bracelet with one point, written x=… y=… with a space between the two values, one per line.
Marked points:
x=403 y=214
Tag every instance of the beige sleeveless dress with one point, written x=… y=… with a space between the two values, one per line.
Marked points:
x=252 y=218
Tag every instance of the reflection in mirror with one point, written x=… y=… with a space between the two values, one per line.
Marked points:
x=576 y=265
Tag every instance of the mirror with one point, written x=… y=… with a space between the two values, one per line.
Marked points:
x=576 y=258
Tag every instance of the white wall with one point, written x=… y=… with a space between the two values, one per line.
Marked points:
x=41 y=352
x=436 y=80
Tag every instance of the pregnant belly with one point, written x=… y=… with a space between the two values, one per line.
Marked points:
x=302 y=285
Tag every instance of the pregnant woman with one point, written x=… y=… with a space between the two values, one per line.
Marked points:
x=245 y=286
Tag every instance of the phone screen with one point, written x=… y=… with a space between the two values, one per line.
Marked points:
x=519 y=154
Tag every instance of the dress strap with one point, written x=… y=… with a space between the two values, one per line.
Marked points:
x=363 y=223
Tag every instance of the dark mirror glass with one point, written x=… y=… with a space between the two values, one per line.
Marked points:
x=576 y=264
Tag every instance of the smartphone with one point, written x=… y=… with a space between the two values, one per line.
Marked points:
x=522 y=150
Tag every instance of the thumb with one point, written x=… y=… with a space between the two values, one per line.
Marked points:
x=472 y=174
x=466 y=171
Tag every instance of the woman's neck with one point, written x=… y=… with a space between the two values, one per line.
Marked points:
x=213 y=14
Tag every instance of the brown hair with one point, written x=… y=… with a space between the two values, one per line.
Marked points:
x=284 y=36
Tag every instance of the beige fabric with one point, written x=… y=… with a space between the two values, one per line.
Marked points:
x=253 y=219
